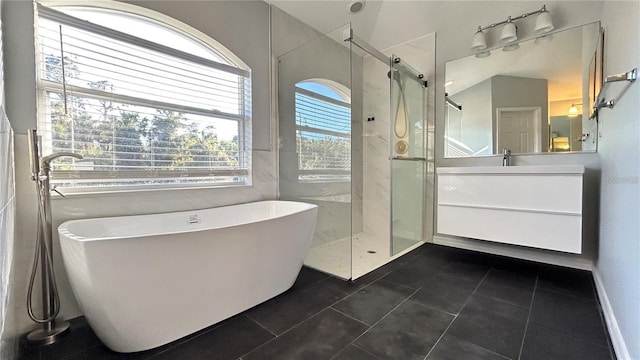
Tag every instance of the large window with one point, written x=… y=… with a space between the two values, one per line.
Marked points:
x=144 y=103
x=323 y=130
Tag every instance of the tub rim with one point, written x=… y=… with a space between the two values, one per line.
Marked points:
x=63 y=229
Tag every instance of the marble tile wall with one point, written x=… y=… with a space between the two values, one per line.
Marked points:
x=376 y=136
x=7 y=234
x=301 y=53
x=419 y=54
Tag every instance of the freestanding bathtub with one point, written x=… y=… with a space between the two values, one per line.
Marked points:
x=144 y=281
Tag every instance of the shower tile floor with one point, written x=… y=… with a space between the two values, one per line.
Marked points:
x=356 y=256
x=433 y=303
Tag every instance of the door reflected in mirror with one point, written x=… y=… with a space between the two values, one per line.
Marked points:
x=529 y=100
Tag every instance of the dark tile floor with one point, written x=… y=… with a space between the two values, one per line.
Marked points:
x=433 y=303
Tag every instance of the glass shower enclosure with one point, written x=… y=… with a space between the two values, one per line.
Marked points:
x=352 y=140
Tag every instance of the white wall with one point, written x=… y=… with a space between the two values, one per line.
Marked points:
x=476 y=115
x=247 y=36
x=618 y=261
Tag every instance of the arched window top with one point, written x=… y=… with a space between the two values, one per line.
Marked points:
x=145 y=99
x=327 y=88
x=149 y=25
x=323 y=127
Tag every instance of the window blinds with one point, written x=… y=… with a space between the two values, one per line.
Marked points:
x=323 y=129
x=139 y=112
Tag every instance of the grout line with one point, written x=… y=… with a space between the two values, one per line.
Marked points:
x=442 y=335
x=289 y=329
x=278 y=336
x=384 y=317
x=397 y=283
x=374 y=355
x=331 y=308
x=526 y=327
x=262 y=326
x=349 y=316
x=361 y=349
x=459 y=312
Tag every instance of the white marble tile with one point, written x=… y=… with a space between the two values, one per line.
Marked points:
x=7 y=223
x=352 y=256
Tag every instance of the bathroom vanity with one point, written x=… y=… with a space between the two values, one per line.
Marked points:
x=534 y=206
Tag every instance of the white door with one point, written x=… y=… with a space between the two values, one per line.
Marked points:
x=518 y=129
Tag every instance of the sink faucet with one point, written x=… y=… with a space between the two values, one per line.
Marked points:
x=506 y=157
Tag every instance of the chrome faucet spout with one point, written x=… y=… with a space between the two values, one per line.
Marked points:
x=506 y=157
x=45 y=162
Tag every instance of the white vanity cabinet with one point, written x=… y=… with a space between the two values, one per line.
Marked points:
x=535 y=206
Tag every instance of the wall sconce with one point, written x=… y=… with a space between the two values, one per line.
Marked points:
x=573 y=110
x=509 y=32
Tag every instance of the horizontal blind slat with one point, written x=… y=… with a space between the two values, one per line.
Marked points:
x=139 y=113
x=62 y=18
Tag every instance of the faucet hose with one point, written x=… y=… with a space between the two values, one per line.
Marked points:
x=42 y=246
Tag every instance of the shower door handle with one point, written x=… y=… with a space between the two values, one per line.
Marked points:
x=408 y=158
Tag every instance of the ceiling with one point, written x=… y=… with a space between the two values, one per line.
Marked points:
x=387 y=23
x=328 y=15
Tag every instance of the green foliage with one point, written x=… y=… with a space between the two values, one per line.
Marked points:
x=324 y=153
x=114 y=136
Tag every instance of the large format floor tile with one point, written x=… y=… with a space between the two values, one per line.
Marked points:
x=374 y=301
x=232 y=339
x=318 y=338
x=353 y=352
x=284 y=311
x=542 y=343
x=445 y=293
x=492 y=324
x=573 y=316
x=452 y=348
x=510 y=287
x=407 y=333
x=436 y=302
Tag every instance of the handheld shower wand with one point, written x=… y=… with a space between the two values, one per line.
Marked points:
x=51 y=331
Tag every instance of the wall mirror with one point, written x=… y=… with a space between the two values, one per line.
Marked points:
x=532 y=97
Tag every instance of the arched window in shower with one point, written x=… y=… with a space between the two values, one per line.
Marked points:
x=323 y=130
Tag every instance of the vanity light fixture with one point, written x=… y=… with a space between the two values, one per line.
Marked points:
x=509 y=33
x=573 y=110
x=479 y=41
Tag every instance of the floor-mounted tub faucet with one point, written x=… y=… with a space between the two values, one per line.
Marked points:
x=50 y=329
x=506 y=157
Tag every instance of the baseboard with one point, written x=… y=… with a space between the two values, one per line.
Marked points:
x=619 y=346
x=520 y=252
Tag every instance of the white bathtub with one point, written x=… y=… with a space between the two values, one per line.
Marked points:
x=144 y=281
